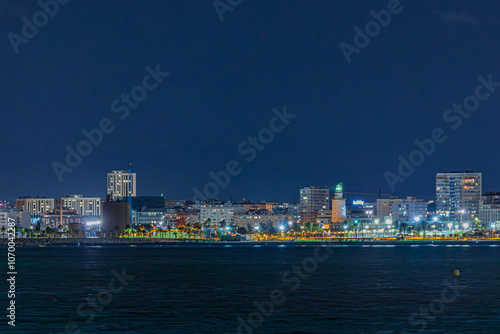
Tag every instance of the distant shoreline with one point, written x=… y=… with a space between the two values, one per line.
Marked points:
x=76 y=242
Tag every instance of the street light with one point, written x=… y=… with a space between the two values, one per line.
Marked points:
x=462 y=216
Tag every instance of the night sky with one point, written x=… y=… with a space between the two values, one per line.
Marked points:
x=225 y=78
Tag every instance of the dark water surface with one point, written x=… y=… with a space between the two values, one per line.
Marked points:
x=357 y=289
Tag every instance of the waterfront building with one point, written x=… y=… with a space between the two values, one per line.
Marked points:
x=60 y=219
x=35 y=205
x=313 y=199
x=148 y=210
x=324 y=217
x=409 y=209
x=121 y=183
x=115 y=218
x=219 y=213
x=83 y=205
x=22 y=218
x=263 y=220
x=182 y=215
x=361 y=210
x=384 y=207
x=458 y=195
x=489 y=212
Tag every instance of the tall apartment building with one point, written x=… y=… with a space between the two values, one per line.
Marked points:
x=83 y=205
x=35 y=205
x=313 y=199
x=120 y=183
x=457 y=191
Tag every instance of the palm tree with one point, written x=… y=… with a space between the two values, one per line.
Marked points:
x=477 y=223
x=141 y=230
x=198 y=228
x=207 y=224
x=222 y=224
x=117 y=231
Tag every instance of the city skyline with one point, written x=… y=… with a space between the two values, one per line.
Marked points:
x=201 y=105
x=361 y=194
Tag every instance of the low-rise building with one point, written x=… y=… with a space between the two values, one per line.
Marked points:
x=148 y=210
x=60 y=219
x=409 y=209
x=489 y=213
x=219 y=213
x=22 y=218
x=183 y=217
x=262 y=219
x=324 y=217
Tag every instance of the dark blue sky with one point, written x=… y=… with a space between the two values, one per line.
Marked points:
x=353 y=120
